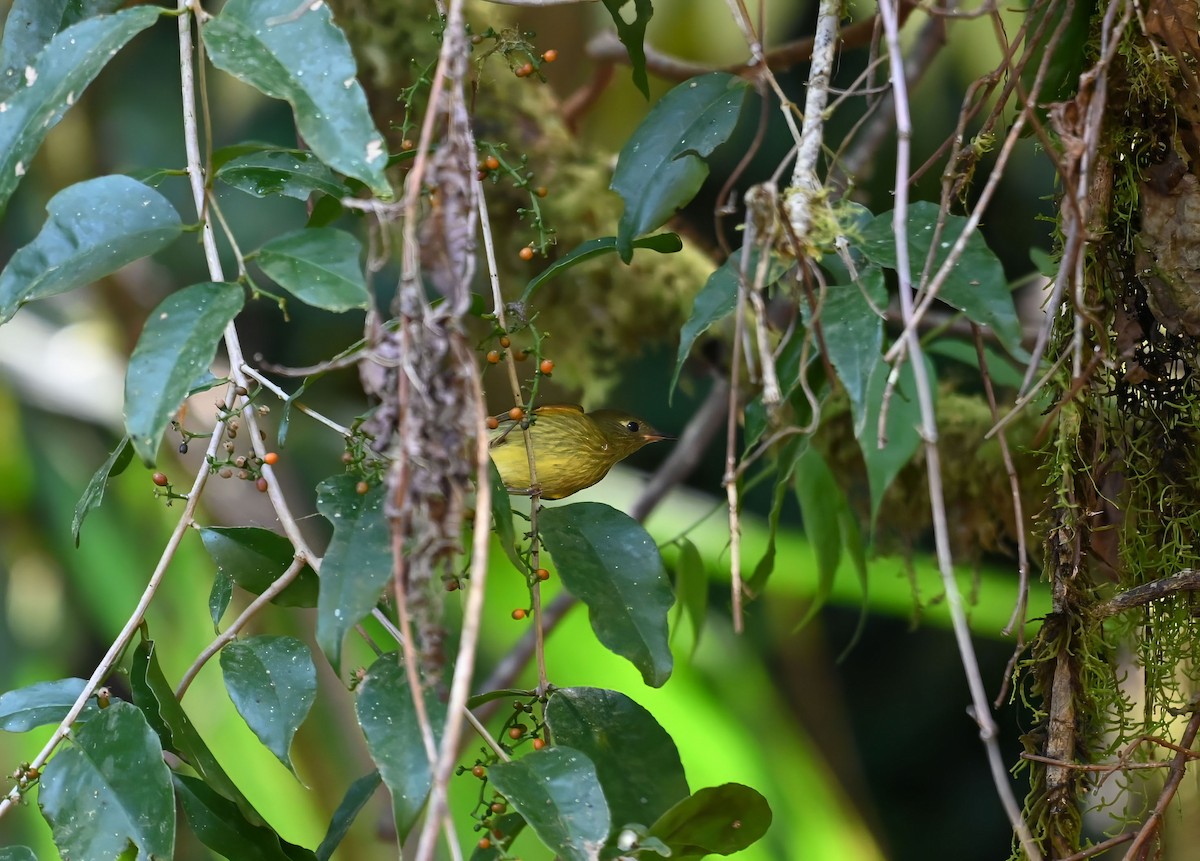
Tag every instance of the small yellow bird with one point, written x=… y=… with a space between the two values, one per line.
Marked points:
x=571 y=449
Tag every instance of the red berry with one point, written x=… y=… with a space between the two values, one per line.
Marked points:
x=361 y=488
x=516 y=414
x=160 y=479
x=546 y=367
x=526 y=253
x=550 y=56
x=479 y=771
x=518 y=614
x=538 y=744
x=485 y=843
x=261 y=484
x=270 y=458
x=516 y=732
x=491 y=163
x=492 y=422
x=542 y=574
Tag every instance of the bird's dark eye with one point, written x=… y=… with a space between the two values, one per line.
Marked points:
x=632 y=427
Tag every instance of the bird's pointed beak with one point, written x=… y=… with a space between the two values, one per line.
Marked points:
x=655 y=436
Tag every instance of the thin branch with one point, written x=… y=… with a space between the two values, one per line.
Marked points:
x=1178 y=770
x=929 y=431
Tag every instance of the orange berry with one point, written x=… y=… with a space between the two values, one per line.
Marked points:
x=361 y=488
x=485 y=843
x=542 y=574
x=479 y=771
x=493 y=357
x=498 y=807
x=521 y=355
x=261 y=484
x=538 y=744
x=481 y=175
x=406 y=144
x=270 y=458
x=505 y=342
x=160 y=479
x=546 y=367
x=526 y=253
x=550 y=56
x=516 y=732
x=493 y=422
x=491 y=163
x=518 y=614
x=516 y=414
x=524 y=71
x=541 y=191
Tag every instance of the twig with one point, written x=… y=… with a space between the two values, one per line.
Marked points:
x=230 y=634
x=1178 y=770
x=284 y=396
x=929 y=431
x=1187 y=580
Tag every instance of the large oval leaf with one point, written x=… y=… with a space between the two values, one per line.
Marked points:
x=614 y=731
x=254 y=558
x=358 y=561
x=355 y=799
x=41 y=703
x=110 y=788
x=178 y=342
x=388 y=719
x=853 y=331
x=93 y=494
x=558 y=793
x=608 y=561
x=291 y=172
x=272 y=682
x=319 y=266
x=95 y=227
x=662 y=166
x=976 y=284
x=299 y=55
x=223 y=828
x=61 y=72
x=30 y=25
x=717 y=820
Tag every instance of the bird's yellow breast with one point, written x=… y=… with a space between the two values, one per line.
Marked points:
x=570 y=453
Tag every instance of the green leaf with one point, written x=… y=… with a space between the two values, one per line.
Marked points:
x=558 y=793
x=853 y=331
x=663 y=243
x=272 y=681
x=254 y=558
x=718 y=820
x=856 y=548
x=289 y=172
x=503 y=518
x=358 y=561
x=820 y=499
x=54 y=82
x=388 y=719
x=178 y=342
x=110 y=788
x=30 y=25
x=155 y=697
x=902 y=429
x=93 y=494
x=319 y=266
x=219 y=597
x=662 y=166
x=305 y=60
x=785 y=469
x=356 y=798
x=95 y=227
x=976 y=285
x=716 y=300
x=607 y=560
x=632 y=35
x=17 y=853
x=999 y=367
x=691 y=589
x=614 y=731
x=219 y=825
x=42 y=703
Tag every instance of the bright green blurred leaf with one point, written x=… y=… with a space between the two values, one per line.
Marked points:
x=388 y=719
x=177 y=343
x=661 y=166
x=110 y=787
x=59 y=75
x=94 y=228
x=717 y=820
x=357 y=563
x=976 y=285
x=355 y=799
x=305 y=60
x=41 y=703
x=272 y=681
x=607 y=560
x=615 y=732
x=290 y=172
x=254 y=558
x=93 y=494
x=820 y=499
x=319 y=266
x=663 y=243
x=558 y=793
x=219 y=825
x=633 y=35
